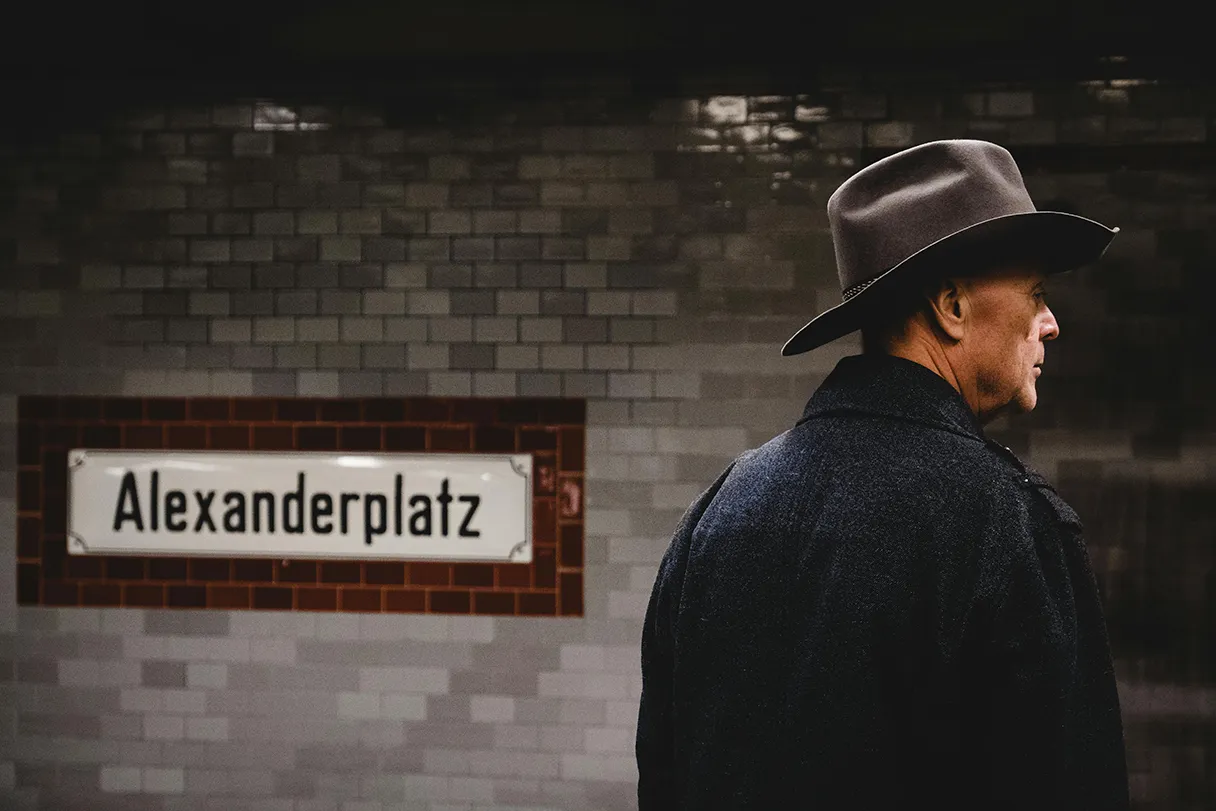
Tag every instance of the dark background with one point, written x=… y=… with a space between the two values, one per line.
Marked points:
x=356 y=39
x=93 y=94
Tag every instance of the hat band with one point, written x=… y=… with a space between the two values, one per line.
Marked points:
x=857 y=288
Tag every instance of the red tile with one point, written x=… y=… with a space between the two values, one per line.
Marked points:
x=29 y=583
x=101 y=437
x=341 y=571
x=566 y=411
x=253 y=409
x=166 y=409
x=81 y=567
x=54 y=472
x=423 y=409
x=317 y=438
x=296 y=409
x=29 y=490
x=449 y=602
x=273 y=438
x=143 y=437
x=29 y=537
x=360 y=599
x=60 y=437
x=523 y=410
x=126 y=568
x=544 y=520
x=514 y=575
x=341 y=411
x=317 y=599
x=167 y=568
x=537 y=439
x=480 y=411
x=29 y=443
x=228 y=597
x=384 y=409
x=494 y=439
x=405 y=438
x=80 y=408
x=35 y=408
x=272 y=597
x=493 y=602
x=537 y=604
x=138 y=595
x=54 y=556
x=209 y=409
x=411 y=600
x=544 y=474
x=187 y=597
x=360 y=438
x=252 y=570
x=295 y=571
x=571 y=545
x=385 y=573
x=570 y=498
x=187 y=437
x=54 y=520
x=473 y=574
x=60 y=592
x=229 y=437
x=431 y=574
x=572 y=449
x=544 y=567
x=212 y=570
x=449 y=439
x=572 y=594
x=123 y=408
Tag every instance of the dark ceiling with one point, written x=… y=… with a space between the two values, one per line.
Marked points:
x=372 y=39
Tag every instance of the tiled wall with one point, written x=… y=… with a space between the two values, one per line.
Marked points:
x=549 y=430
x=649 y=254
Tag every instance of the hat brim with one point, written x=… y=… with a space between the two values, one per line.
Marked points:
x=1050 y=241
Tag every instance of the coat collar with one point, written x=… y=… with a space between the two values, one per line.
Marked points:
x=887 y=386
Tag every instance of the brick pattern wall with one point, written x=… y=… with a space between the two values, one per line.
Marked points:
x=550 y=430
x=646 y=253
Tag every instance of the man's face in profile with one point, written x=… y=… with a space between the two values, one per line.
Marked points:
x=1005 y=342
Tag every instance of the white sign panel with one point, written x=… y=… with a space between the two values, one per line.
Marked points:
x=301 y=505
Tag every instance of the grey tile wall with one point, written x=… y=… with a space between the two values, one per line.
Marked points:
x=654 y=267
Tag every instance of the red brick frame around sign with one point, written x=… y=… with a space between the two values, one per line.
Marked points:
x=552 y=430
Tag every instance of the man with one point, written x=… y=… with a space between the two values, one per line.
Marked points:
x=882 y=608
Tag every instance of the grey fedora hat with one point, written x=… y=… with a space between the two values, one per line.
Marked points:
x=940 y=207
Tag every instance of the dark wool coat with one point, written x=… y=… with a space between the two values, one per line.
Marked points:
x=879 y=608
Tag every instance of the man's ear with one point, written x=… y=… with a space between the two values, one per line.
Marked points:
x=949 y=308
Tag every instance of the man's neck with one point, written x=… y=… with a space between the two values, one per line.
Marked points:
x=928 y=352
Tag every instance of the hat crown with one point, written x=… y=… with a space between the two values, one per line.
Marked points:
x=903 y=203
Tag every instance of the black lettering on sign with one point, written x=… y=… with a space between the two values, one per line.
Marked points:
x=397 y=482
x=295 y=497
x=300 y=511
x=204 y=510
x=374 y=525
x=262 y=498
x=474 y=502
x=175 y=506
x=420 y=519
x=154 y=505
x=444 y=500
x=347 y=498
x=123 y=513
x=322 y=507
x=234 y=518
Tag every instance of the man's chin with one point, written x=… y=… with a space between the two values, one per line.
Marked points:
x=1026 y=400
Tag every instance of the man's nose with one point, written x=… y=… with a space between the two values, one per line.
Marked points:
x=1049 y=329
